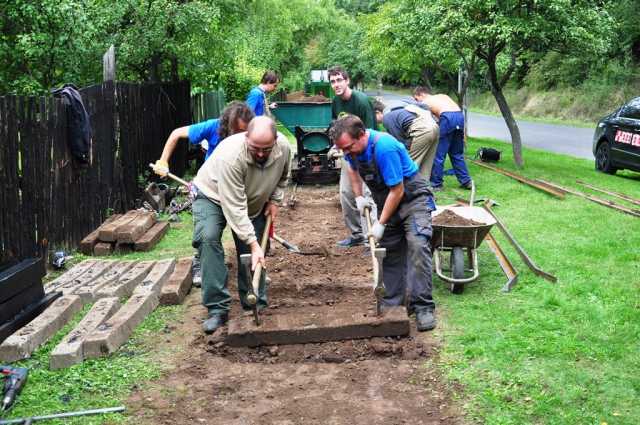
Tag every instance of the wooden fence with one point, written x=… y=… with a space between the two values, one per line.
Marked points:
x=46 y=200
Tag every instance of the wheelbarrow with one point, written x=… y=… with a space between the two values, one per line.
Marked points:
x=455 y=241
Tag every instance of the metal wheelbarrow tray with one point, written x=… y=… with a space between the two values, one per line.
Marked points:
x=455 y=239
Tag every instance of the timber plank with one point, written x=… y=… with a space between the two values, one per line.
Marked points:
x=87 y=244
x=89 y=290
x=21 y=344
x=20 y=277
x=108 y=233
x=317 y=325
x=132 y=231
x=125 y=285
x=157 y=277
x=27 y=315
x=98 y=269
x=100 y=249
x=178 y=285
x=11 y=307
x=70 y=350
x=152 y=237
x=72 y=274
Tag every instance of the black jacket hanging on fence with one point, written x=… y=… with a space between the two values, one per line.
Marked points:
x=77 y=121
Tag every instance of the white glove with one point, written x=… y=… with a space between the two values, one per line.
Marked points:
x=334 y=153
x=161 y=168
x=377 y=230
x=362 y=203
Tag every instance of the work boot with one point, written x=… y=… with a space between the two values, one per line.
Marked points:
x=214 y=321
x=425 y=320
x=468 y=185
x=196 y=272
x=351 y=242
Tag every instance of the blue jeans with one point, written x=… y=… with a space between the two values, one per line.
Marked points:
x=451 y=142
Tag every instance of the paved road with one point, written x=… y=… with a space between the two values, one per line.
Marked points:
x=573 y=141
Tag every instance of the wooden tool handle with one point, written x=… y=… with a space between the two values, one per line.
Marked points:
x=175 y=178
x=255 y=282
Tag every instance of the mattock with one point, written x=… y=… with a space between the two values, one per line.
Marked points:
x=254 y=289
x=377 y=256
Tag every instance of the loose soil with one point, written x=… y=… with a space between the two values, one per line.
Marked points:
x=450 y=218
x=368 y=381
x=299 y=96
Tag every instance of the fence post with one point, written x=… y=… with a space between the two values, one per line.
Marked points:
x=109 y=65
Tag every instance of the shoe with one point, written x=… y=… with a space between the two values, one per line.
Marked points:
x=435 y=189
x=468 y=185
x=196 y=272
x=425 y=320
x=350 y=242
x=214 y=322
x=197 y=279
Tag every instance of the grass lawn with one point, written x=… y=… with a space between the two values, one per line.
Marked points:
x=104 y=382
x=564 y=353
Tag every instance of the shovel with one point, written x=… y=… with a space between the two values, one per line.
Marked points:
x=293 y=248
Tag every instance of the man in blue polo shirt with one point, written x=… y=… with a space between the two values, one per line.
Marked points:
x=234 y=119
x=404 y=213
x=257 y=97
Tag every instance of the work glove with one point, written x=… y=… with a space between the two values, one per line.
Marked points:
x=334 y=153
x=377 y=230
x=362 y=203
x=161 y=168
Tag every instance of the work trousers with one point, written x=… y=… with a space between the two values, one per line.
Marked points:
x=355 y=222
x=451 y=142
x=423 y=134
x=209 y=223
x=407 y=264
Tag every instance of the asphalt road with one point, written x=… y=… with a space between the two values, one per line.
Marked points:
x=564 y=139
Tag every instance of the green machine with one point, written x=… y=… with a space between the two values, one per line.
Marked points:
x=309 y=122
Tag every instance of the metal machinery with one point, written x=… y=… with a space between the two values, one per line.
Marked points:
x=309 y=121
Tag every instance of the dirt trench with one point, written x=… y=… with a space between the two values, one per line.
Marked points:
x=368 y=381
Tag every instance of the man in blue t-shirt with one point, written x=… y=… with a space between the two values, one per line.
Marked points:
x=234 y=119
x=404 y=204
x=257 y=97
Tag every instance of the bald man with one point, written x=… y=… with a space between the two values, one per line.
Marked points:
x=240 y=184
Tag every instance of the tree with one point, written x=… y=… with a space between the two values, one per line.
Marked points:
x=501 y=33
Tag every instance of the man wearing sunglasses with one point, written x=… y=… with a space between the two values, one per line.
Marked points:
x=353 y=102
x=242 y=182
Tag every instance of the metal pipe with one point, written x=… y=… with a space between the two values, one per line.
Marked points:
x=63 y=415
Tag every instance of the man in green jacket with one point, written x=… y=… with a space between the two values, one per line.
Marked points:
x=242 y=182
x=350 y=102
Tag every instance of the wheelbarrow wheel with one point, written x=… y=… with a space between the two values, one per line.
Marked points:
x=457 y=269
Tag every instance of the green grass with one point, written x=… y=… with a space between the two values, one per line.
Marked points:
x=103 y=382
x=563 y=353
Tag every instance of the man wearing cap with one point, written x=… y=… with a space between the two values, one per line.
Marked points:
x=242 y=182
x=404 y=213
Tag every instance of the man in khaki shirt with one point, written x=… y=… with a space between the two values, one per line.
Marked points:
x=242 y=182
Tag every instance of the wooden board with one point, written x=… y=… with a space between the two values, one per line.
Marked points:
x=108 y=232
x=20 y=277
x=11 y=307
x=27 y=315
x=317 y=324
x=87 y=244
x=152 y=237
x=132 y=231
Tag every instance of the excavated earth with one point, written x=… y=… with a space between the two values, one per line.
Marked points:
x=368 y=381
